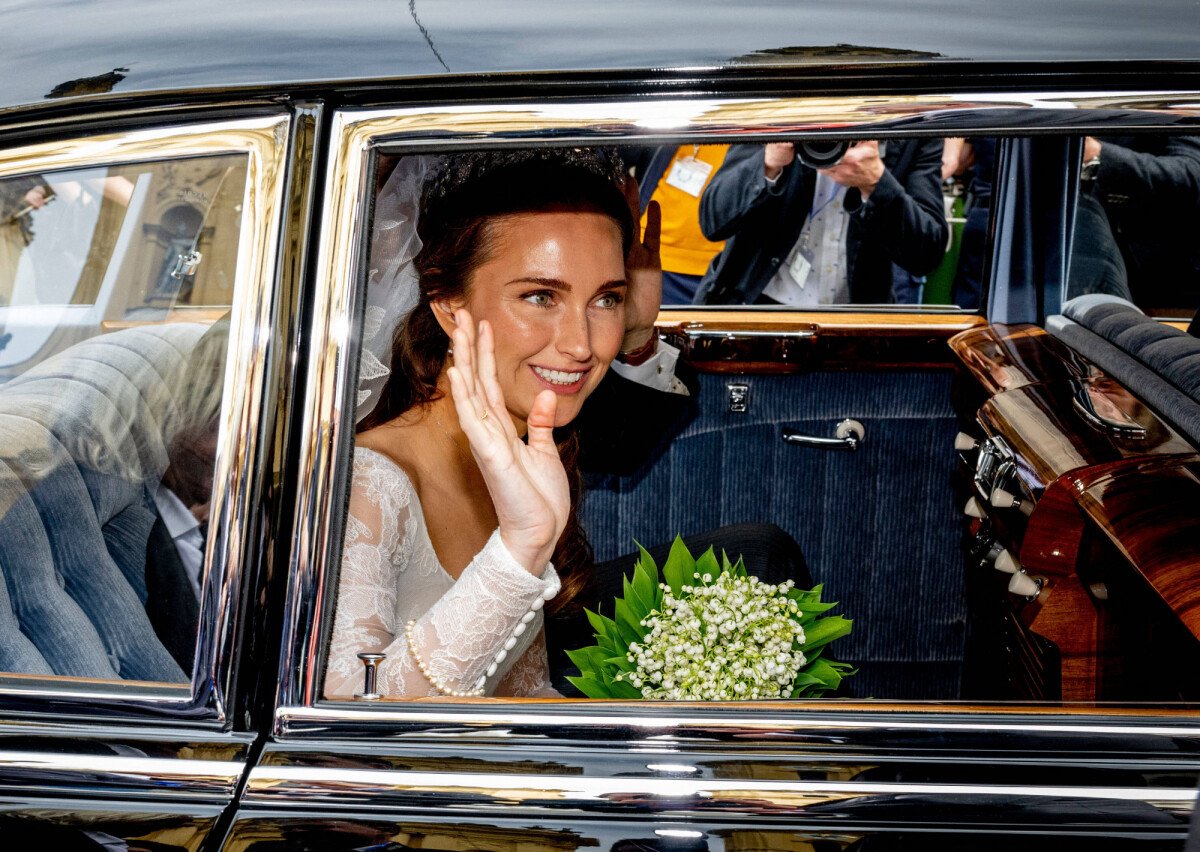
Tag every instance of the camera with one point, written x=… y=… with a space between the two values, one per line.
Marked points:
x=821 y=153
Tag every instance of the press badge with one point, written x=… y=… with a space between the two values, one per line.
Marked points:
x=689 y=174
x=799 y=266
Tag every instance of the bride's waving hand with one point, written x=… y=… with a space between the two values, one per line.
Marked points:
x=525 y=478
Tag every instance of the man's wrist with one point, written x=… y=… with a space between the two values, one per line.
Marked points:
x=635 y=352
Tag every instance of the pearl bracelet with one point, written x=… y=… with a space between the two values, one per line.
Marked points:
x=429 y=676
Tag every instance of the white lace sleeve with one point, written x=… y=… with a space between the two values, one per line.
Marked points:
x=467 y=638
x=530 y=676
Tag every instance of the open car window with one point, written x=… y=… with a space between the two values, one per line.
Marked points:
x=811 y=434
x=123 y=264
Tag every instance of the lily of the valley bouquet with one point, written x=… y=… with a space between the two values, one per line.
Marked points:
x=705 y=631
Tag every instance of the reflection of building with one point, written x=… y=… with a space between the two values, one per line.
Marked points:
x=191 y=205
x=118 y=246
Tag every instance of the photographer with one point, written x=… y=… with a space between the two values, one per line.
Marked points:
x=806 y=236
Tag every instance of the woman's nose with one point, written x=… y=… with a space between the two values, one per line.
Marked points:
x=574 y=336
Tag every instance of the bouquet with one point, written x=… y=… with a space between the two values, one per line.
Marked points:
x=706 y=631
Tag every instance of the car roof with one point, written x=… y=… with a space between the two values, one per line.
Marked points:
x=57 y=49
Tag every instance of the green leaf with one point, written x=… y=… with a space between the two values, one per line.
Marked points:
x=589 y=659
x=606 y=630
x=631 y=631
x=707 y=564
x=591 y=687
x=677 y=570
x=645 y=580
x=639 y=607
x=825 y=631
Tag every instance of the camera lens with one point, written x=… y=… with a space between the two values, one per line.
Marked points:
x=821 y=153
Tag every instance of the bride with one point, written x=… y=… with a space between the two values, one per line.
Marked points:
x=533 y=278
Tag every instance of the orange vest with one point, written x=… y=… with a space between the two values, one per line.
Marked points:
x=684 y=247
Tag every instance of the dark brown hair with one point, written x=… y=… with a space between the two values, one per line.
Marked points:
x=458 y=205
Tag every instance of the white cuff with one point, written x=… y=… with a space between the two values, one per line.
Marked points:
x=657 y=371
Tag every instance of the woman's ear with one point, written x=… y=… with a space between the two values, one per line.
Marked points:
x=443 y=312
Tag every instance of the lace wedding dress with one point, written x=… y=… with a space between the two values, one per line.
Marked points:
x=482 y=631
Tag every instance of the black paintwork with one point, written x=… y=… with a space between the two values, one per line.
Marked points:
x=74 y=48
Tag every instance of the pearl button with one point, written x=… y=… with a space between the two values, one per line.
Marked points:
x=519 y=629
x=537 y=604
x=491 y=670
x=510 y=643
x=549 y=593
x=528 y=617
x=500 y=655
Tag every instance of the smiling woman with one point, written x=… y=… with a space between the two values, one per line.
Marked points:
x=460 y=499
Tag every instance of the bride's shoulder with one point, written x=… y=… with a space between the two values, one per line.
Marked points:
x=378 y=471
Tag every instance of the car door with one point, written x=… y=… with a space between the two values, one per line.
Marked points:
x=139 y=281
x=910 y=761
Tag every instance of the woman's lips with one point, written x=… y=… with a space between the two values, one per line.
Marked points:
x=561 y=381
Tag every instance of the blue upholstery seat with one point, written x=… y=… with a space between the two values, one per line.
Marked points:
x=1159 y=363
x=86 y=436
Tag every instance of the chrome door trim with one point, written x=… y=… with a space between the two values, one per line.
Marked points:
x=674 y=725
x=156 y=778
x=263 y=140
x=357 y=133
x=514 y=794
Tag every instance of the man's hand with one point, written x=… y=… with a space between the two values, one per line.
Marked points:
x=958 y=155
x=776 y=157
x=861 y=167
x=36 y=197
x=643 y=272
x=1091 y=148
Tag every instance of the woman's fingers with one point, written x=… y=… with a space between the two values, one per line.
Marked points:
x=541 y=422
x=489 y=381
x=650 y=238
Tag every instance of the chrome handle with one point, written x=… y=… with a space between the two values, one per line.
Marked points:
x=1127 y=428
x=848 y=435
x=370 y=670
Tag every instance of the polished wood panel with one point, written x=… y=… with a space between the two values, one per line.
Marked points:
x=1114 y=513
x=1051 y=436
x=1003 y=357
x=1150 y=511
x=771 y=341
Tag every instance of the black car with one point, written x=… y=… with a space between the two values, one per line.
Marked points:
x=191 y=222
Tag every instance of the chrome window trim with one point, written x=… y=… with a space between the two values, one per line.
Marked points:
x=356 y=134
x=263 y=140
x=300 y=787
x=156 y=779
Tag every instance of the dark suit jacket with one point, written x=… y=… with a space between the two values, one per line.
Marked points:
x=902 y=222
x=625 y=425
x=170 y=601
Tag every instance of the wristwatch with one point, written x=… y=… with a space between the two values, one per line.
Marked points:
x=1090 y=170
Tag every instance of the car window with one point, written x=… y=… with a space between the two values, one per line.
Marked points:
x=420 y=578
x=794 y=223
x=1136 y=221
x=116 y=283
x=694 y=445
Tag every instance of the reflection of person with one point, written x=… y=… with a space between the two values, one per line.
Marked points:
x=459 y=496
x=799 y=236
x=19 y=197
x=978 y=157
x=175 y=550
x=1136 y=224
x=675 y=178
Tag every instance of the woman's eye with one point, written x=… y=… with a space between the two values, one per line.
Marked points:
x=610 y=300
x=542 y=298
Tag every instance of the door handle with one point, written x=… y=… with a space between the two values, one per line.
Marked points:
x=847 y=436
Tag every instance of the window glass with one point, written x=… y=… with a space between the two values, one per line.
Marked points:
x=898 y=222
x=115 y=283
x=1136 y=223
x=441 y=593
